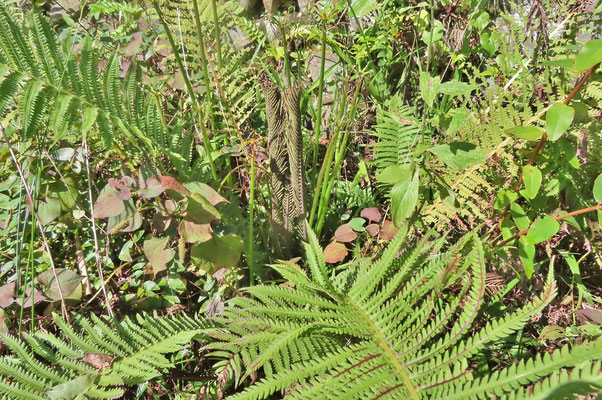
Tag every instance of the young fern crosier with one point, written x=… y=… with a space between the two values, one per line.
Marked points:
x=94 y=358
x=395 y=327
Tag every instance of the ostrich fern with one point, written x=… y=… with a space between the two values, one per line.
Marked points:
x=395 y=327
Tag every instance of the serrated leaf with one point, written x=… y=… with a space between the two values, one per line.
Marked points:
x=532 y=180
x=558 y=119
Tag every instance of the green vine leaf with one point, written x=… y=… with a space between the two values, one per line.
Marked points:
x=558 y=120
x=404 y=198
x=532 y=180
x=541 y=230
x=526 y=253
x=590 y=55
x=598 y=189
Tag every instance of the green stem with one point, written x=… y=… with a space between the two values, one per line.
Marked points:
x=251 y=251
x=318 y=125
x=191 y=93
x=218 y=34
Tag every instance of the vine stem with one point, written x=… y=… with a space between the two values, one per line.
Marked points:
x=523 y=232
x=544 y=137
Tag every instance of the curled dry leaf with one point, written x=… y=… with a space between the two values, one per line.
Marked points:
x=344 y=233
x=335 y=252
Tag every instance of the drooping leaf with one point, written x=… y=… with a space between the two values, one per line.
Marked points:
x=526 y=253
x=157 y=253
x=558 y=119
x=458 y=155
x=532 y=180
x=344 y=233
x=335 y=252
x=519 y=216
x=541 y=230
x=590 y=55
x=404 y=198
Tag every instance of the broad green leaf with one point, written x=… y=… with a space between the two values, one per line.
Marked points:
x=458 y=120
x=598 y=189
x=194 y=232
x=157 y=254
x=455 y=88
x=590 y=55
x=219 y=252
x=526 y=252
x=558 y=119
x=362 y=7
x=49 y=210
x=504 y=198
x=527 y=132
x=541 y=230
x=519 y=216
x=70 y=284
x=394 y=174
x=357 y=224
x=404 y=198
x=458 y=155
x=71 y=389
x=532 y=180
x=200 y=210
x=206 y=191
x=429 y=87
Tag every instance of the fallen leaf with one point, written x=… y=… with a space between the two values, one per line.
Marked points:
x=98 y=360
x=388 y=230
x=7 y=294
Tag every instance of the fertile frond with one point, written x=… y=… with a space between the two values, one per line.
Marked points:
x=401 y=326
x=95 y=356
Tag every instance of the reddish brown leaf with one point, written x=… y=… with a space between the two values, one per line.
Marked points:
x=157 y=253
x=371 y=214
x=108 y=204
x=344 y=233
x=335 y=252
x=7 y=294
x=388 y=230
x=373 y=229
x=193 y=232
x=98 y=360
x=171 y=184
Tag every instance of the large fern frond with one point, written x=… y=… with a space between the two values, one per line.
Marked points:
x=94 y=357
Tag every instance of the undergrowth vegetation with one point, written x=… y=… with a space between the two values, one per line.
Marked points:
x=318 y=200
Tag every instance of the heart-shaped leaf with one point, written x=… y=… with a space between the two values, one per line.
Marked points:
x=157 y=254
x=70 y=284
x=373 y=229
x=193 y=232
x=541 y=230
x=372 y=214
x=108 y=204
x=219 y=252
x=558 y=119
x=335 y=252
x=532 y=180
